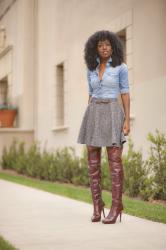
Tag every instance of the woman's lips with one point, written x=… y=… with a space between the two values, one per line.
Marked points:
x=105 y=53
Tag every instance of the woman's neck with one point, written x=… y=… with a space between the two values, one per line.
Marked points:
x=104 y=60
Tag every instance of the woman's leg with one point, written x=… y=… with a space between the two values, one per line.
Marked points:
x=94 y=170
x=116 y=169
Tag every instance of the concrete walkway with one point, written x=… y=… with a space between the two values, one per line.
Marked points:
x=35 y=220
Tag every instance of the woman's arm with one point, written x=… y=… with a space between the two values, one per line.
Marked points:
x=126 y=105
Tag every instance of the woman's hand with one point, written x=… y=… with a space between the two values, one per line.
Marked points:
x=126 y=106
x=90 y=97
x=126 y=127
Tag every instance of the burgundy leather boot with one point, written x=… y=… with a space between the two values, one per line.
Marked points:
x=116 y=168
x=94 y=171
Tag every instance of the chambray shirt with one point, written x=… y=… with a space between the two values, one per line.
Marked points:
x=114 y=80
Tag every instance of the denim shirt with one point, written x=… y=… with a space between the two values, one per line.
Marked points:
x=114 y=81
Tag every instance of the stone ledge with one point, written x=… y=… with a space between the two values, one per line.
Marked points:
x=2 y=130
x=59 y=128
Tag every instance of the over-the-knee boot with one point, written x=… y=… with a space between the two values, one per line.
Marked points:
x=116 y=168
x=94 y=170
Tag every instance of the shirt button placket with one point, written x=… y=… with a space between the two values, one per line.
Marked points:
x=100 y=83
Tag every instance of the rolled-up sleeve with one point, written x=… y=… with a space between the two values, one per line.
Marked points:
x=90 y=89
x=123 y=79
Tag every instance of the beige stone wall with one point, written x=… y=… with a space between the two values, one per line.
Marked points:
x=64 y=41
x=17 y=63
x=149 y=70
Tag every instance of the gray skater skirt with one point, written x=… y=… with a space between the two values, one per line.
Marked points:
x=102 y=123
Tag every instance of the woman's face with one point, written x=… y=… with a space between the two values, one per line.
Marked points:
x=104 y=49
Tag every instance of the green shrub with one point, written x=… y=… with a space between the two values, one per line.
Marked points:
x=80 y=170
x=65 y=163
x=147 y=188
x=5 y=158
x=157 y=161
x=136 y=180
x=9 y=156
x=52 y=168
x=33 y=161
x=145 y=179
x=61 y=165
x=133 y=170
x=21 y=159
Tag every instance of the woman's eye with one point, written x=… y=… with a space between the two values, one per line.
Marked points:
x=102 y=45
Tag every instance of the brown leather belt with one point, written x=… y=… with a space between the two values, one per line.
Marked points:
x=96 y=100
x=102 y=101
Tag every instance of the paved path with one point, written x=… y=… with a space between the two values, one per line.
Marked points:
x=35 y=220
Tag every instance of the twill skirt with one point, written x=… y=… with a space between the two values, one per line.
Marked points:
x=102 y=123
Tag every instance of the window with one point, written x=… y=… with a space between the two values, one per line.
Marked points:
x=3 y=90
x=2 y=38
x=122 y=35
x=60 y=95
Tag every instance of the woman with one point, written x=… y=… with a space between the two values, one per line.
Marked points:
x=105 y=122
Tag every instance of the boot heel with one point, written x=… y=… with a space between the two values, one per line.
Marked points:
x=103 y=213
x=120 y=216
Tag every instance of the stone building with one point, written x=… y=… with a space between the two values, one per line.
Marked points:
x=43 y=72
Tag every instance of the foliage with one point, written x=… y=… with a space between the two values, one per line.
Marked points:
x=157 y=161
x=144 y=179
x=137 y=180
x=8 y=106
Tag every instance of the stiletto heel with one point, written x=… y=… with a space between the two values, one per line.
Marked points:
x=120 y=216
x=103 y=212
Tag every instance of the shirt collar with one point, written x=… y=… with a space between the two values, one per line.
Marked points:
x=109 y=60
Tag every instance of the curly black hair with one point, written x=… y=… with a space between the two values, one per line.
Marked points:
x=90 y=50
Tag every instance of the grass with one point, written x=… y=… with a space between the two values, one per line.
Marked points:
x=139 y=208
x=5 y=245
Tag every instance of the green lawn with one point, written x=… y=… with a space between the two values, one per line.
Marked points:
x=139 y=208
x=5 y=245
